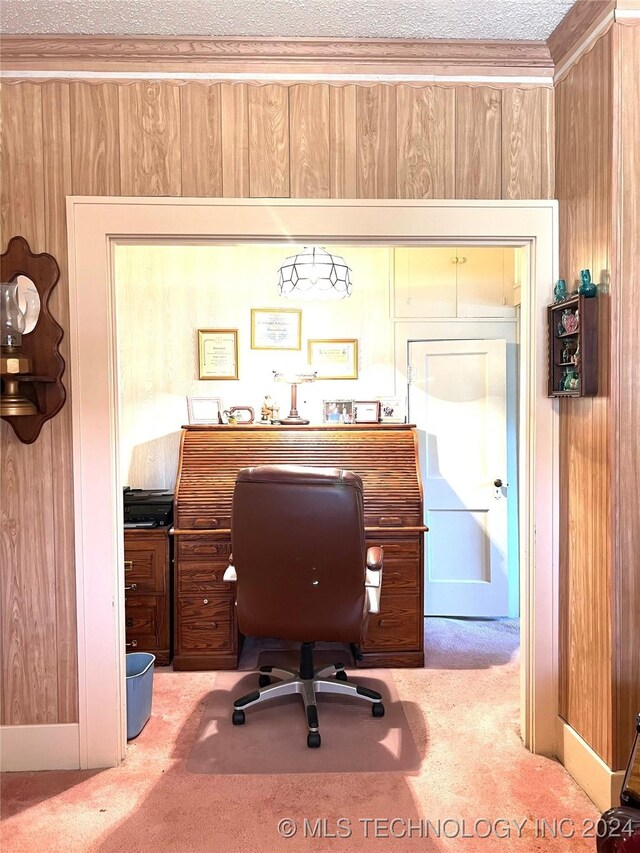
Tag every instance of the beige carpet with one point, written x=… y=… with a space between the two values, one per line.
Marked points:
x=463 y=713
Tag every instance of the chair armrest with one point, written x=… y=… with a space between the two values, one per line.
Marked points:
x=373 y=578
x=374 y=558
x=230 y=573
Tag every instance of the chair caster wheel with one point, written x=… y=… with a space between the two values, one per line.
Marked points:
x=238 y=718
x=264 y=681
x=313 y=740
x=377 y=709
x=341 y=675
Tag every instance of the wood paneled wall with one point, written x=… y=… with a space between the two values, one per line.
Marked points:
x=626 y=396
x=596 y=124
x=207 y=139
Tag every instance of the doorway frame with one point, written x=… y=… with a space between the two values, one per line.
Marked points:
x=97 y=224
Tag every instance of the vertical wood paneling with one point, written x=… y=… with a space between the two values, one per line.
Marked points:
x=28 y=578
x=309 y=144
x=95 y=157
x=150 y=139
x=478 y=142
x=426 y=142
x=269 y=141
x=376 y=151
x=522 y=161
x=21 y=201
x=201 y=140
x=342 y=147
x=234 y=102
x=57 y=185
x=627 y=474
x=548 y=163
x=583 y=183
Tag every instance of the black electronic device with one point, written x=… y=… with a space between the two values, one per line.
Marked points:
x=147 y=508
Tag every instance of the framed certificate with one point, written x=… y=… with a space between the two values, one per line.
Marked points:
x=218 y=353
x=276 y=328
x=334 y=359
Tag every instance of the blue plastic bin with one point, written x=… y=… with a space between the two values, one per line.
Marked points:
x=139 y=691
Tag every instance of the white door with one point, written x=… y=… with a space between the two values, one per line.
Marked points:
x=457 y=399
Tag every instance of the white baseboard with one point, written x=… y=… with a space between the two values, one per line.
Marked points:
x=597 y=780
x=48 y=747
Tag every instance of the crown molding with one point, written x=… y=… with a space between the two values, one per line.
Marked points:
x=260 y=56
x=583 y=18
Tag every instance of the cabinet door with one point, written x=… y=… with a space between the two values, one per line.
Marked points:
x=485 y=278
x=424 y=282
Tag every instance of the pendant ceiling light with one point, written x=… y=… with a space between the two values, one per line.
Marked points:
x=314 y=273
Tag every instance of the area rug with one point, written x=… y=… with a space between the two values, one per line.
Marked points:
x=274 y=736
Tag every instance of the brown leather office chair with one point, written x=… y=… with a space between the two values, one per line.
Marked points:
x=303 y=573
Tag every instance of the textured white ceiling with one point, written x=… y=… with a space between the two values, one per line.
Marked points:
x=445 y=19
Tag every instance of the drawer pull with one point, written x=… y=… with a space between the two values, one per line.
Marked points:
x=129 y=623
x=386 y=623
x=128 y=565
x=390 y=521
x=133 y=644
x=133 y=587
x=205 y=600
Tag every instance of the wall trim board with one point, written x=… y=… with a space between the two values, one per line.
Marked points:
x=481 y=78
x=43 y=747
x=597 y=780
x=95 y=224
x=312 y=55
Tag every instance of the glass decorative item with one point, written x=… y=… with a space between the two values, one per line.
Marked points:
x=587 y=287
x=314 y=273
x=12 y=361
x=294 y=379
x=560 y=290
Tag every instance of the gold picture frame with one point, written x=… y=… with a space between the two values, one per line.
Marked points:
x=218 y=353
x=334 y=358
x=276 y=328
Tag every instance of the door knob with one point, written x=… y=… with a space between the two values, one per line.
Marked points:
x=497 y=483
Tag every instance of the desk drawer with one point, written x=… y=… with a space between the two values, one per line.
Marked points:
x=145 y=564
x=203 y=576
x=397 y=626
x=402 y=563
x=190 y=547
x=205 y=623
x=147 y=624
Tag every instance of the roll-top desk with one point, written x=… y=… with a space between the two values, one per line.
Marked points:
x=385 y=456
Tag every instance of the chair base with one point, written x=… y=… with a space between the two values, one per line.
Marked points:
x=309 y=683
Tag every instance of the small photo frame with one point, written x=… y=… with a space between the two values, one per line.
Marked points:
x=205 y=410
x=218 y=353
x=367 y=411
x=392 y=410
x=276 y=328
x=337 y=412
x=334 y=358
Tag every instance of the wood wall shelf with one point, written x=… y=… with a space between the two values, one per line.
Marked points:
x=573 y=354
x=43 y=386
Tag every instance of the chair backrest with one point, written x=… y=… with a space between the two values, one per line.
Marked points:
x=299 y=553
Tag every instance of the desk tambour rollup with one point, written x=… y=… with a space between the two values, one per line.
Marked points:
x=385 y=456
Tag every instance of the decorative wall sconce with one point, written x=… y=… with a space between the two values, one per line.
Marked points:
x=314 y=273
x=31 y=366
x=294 y=379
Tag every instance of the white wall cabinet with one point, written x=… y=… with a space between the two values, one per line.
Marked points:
x=453 y=282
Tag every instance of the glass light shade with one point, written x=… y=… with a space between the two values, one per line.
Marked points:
x=314 y=273
x=12 y=321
